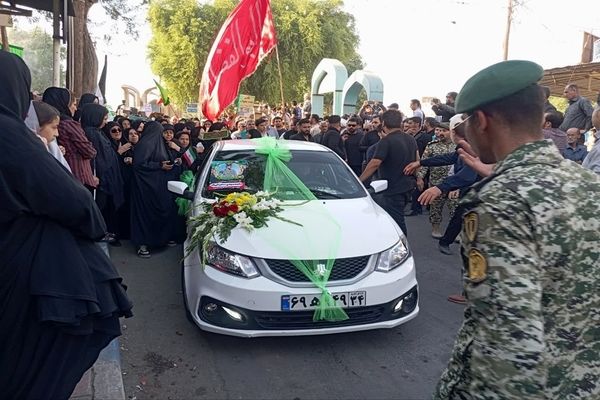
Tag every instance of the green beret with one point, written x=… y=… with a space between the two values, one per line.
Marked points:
x=444 y=125
x=496 y=82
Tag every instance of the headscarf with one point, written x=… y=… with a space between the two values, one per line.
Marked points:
x=86 y=98
x=123 y=120
x=178 y=142
x=106 y=164
x=13 y=100
x=167 y=127
x=92 y=115
x=136 y=124
x=178 y=127
x=151 y=146
x=59 y=98
x=108 y=127
x=33 y=123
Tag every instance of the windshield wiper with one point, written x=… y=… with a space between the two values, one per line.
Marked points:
x=318 y=192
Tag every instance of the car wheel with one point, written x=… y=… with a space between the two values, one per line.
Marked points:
x=188 y=314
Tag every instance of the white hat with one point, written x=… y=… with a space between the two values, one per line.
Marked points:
x=456 y=120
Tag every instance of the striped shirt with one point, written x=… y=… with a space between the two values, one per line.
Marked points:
x=79 y=151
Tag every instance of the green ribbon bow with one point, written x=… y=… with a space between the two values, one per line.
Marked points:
x=278 y=173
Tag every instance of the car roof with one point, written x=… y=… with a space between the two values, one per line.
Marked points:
x=249 y=144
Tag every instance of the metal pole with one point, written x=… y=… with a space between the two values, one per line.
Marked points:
x=56 y=43
x=508 y=24
x=280 y=76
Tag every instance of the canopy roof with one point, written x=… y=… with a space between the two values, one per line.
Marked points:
x=585 y=76
x=14 y=7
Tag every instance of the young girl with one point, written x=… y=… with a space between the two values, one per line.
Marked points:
x=46 y=127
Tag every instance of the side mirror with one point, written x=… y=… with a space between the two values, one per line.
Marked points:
x=378 y=186
x=180 y=189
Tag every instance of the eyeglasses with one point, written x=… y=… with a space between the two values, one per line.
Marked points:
x=463 y=121
x=115 y=130
x=351 y=126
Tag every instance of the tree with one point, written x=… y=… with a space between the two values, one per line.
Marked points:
x=307 y=30
x=37 y=54
x=119 y=13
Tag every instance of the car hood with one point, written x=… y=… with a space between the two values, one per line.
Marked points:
x=330 y=229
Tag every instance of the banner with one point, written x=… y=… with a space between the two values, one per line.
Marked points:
x=245 y=106
x=245 y=39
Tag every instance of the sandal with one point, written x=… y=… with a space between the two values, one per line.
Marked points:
x=458 y=299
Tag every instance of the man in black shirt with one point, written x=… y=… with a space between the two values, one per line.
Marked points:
x=352 y=138
x=332 y=137
x=370 y=138
x=304 y=134
x=278 y=125
x=446 y=111
x=293 y=130
x=394 y=152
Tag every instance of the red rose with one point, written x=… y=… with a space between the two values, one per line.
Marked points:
x=233 y=208
x=219 y=210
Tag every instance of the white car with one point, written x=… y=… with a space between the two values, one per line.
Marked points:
x=256 y=291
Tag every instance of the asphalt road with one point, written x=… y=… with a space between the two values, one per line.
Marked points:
x=166 y=357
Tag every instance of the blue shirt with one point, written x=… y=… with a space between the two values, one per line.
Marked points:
x=464 y=176
x=576 y=154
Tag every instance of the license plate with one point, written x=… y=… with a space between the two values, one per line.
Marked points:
x=311 y=301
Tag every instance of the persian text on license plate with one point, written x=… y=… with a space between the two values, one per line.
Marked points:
x=311 y=301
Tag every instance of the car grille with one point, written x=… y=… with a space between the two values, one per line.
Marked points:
x=343 y=269
x=304 y=319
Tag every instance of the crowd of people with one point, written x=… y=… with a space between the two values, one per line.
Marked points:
x=127 y=161
x=63 y=297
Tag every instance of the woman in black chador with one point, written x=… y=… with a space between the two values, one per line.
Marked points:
x=152 y=217
x=60 y=295
x=106 y=166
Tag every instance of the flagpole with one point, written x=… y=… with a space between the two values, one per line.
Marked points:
x=173 y=110
x=280 y=76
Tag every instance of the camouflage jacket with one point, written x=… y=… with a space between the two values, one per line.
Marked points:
x=436 y=174
x=531 y=246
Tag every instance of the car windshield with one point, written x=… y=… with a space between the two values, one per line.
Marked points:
x=322 y=172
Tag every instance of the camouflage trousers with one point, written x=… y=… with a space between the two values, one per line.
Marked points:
x=437 y=206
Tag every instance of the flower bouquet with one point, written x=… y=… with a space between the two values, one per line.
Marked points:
x=248 y=211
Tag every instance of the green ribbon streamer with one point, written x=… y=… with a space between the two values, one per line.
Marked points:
x=184 y=204
x=278 y=174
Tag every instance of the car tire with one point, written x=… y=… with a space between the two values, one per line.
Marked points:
x=188 y=314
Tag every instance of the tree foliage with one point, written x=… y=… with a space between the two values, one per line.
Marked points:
x=307 y=30
x=37 y=54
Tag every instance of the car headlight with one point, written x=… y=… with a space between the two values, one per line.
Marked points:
x=230 y=263
x=393 y=257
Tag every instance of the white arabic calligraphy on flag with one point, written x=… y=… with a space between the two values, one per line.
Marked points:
x=245 y=39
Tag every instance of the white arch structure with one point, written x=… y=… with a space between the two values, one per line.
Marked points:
x=359 y=79
x=328 y=77
x=331 y=76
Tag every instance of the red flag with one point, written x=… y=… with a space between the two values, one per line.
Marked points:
x=246 y=37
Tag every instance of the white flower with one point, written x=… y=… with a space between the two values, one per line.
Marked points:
x=260 y=193
x=262 y=205
x=243 y=220
x=274 y=203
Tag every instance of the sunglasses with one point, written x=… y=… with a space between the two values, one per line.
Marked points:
x=351 y=126
x=115 y=130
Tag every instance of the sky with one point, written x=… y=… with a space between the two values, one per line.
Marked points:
x=420 y=48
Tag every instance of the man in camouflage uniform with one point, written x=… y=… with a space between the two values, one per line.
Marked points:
x=443 y=145
x=531 y=246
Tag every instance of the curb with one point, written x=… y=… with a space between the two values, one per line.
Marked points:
x=104 y=381
x=107 y=376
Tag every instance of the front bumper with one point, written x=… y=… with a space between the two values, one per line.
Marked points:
x=258 y=301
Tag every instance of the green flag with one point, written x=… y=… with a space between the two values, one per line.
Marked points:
x=164 y=97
